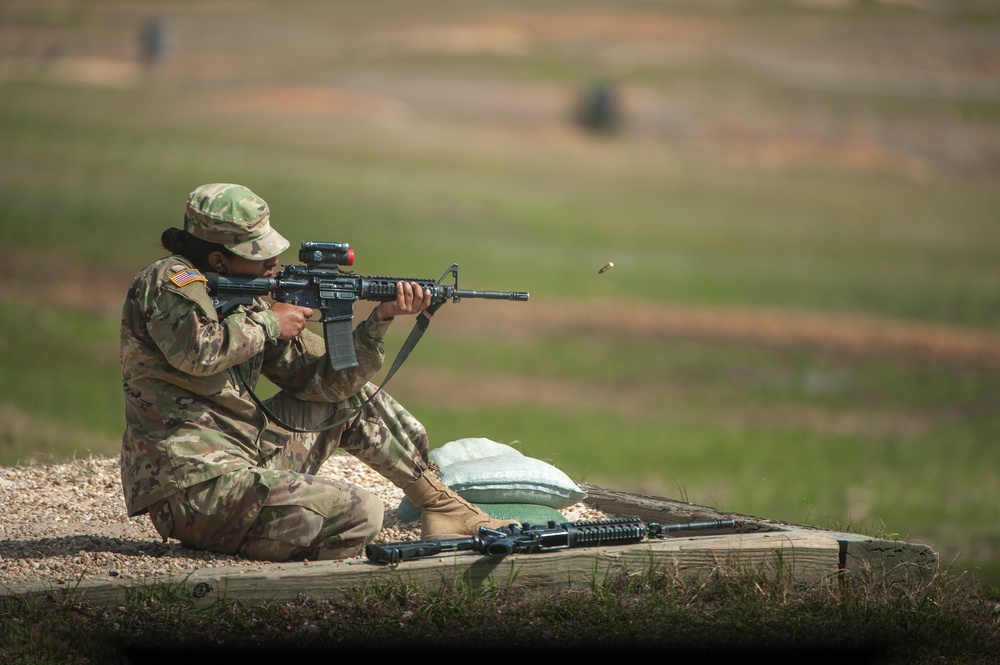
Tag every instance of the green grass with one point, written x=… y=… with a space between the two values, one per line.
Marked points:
x=60 y=384
x=673 y=235
x=724 y=614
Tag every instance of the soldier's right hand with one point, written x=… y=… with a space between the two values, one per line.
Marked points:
x=292 y=318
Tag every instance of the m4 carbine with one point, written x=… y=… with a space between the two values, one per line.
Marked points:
x=320 y=284
x=516 y=539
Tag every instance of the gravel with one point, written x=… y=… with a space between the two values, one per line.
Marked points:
x=66 y=522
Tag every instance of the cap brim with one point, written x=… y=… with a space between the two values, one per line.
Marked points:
x=268 y=246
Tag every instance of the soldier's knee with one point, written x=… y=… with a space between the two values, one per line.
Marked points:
x=347 y=534
x=370 y=515
x=361 y=520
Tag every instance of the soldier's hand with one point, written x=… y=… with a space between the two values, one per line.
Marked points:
x=411 y=298
x=292 y=318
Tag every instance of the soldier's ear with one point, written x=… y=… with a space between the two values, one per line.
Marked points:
x=216 y=262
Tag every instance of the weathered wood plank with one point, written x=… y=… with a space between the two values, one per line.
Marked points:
x=891 y=561
x=894 y=560
x=803 y=556
x=660 y=509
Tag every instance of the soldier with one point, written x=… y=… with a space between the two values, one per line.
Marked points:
x=210 y=467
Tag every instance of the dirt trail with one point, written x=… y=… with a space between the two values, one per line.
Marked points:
x=644 y=320
x=77 y=285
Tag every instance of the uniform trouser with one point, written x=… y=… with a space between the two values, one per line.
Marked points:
x=281 y=510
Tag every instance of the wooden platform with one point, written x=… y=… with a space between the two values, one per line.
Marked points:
x=856 y=555
x=805 y=555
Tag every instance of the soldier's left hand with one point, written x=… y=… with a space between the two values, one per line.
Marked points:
x=411 y=298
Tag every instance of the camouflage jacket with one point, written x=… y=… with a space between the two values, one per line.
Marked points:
x=188 y=416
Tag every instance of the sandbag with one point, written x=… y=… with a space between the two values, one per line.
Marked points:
x=487 y=472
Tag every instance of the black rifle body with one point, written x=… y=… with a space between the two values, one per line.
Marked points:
x=516 y=539
x=321 y=285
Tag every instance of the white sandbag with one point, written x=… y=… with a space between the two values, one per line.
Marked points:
x=484 y=471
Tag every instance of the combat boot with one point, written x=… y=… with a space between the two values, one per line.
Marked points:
x=444 y=513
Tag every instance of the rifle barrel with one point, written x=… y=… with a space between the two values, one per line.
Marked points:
x=519 y=296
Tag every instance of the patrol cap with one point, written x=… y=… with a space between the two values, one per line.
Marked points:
x=234 y=217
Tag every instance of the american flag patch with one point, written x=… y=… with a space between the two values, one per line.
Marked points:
x=185 y=277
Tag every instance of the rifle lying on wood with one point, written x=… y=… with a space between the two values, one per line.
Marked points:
x=516 y=539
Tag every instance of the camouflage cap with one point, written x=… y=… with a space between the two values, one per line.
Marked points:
x=235 y=217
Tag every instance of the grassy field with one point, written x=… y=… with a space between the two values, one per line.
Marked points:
x=829 y=172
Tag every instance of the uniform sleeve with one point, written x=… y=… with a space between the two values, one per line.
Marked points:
x=184 y=325
x=302 y=368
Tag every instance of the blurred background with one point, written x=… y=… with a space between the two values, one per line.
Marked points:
x=800 y=200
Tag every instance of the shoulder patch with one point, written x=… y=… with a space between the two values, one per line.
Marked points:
x=186 y=277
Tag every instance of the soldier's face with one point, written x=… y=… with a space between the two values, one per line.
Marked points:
x=239 y=266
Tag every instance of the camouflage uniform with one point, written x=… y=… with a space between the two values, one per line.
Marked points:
x=203 y=459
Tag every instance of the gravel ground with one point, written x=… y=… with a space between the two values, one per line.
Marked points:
x=66 y=522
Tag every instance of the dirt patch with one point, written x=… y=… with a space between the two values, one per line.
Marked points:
x=63 y=283
x=306 y=100
x=637 y=399
x=609 y=24
x=77 y=285
x=646 y=320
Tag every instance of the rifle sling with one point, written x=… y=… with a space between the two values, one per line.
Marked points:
x=423 y=320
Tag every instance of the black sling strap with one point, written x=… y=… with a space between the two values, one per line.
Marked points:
x=423 y=320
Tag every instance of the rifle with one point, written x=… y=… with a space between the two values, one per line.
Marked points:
x=320 y=284
x=516 y=539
